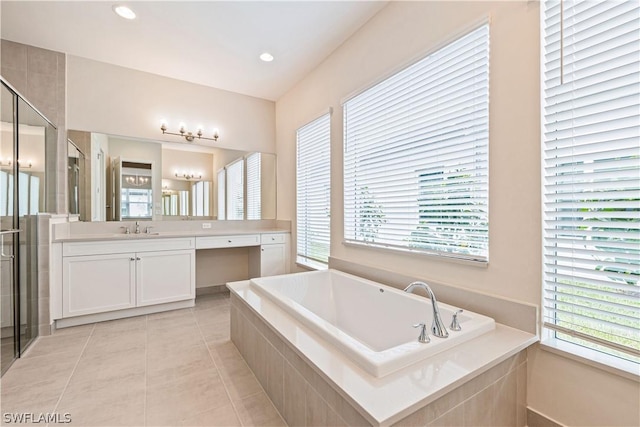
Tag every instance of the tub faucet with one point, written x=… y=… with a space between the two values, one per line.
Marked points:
x=437 y=327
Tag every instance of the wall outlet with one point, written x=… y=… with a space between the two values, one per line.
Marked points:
x=206 y=225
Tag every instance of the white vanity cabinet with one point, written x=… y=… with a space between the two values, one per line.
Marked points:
x=105 y=276
x=165 y=276
x=273 y=254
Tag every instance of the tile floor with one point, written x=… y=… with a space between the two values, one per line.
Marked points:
x=176 y=368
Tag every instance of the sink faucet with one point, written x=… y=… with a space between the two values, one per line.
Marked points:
x=437 y=327
x=137 y=227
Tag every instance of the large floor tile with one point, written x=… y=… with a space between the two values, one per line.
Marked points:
x=206 y=302
x=257 y=410
x=215 y=314
x=34 y=370
x=173 y=368
x=104 y=341
x=32 y=399
x=106 y=402
x=171 y=365
x=219 y=332
x=224 y=416
x=122 y=325
x=64 y=343
x=110 y=366
x=171 y=402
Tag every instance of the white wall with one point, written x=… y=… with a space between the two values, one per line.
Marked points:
x=120 y=101
x=397 y=36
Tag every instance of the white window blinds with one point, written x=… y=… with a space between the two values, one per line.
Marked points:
x=313 y=190
x=235 y=190
x=222 y=185
x=416 y=155
x=591 y=169
x=254 y=209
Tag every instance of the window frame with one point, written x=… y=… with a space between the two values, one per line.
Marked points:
x=568 y=346
x=480 y=261
x=302 y=255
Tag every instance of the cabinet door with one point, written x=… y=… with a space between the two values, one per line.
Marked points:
x=272 y=260
x=97 y=283
x=165 y=276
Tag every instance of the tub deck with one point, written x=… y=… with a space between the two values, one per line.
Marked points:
x=380 y=401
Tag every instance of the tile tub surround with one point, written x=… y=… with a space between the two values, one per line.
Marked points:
x=174 y=368
x=311 y=384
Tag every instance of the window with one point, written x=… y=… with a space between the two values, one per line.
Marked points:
x=200 y=198
x=591 y=170
x=313 y=191
x=416 y=155
x=254 y=209
x=235 y=190
x=222 y=185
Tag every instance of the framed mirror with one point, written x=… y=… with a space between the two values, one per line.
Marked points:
x=184 y=180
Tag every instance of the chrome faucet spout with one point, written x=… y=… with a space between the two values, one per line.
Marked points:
x=437 y=326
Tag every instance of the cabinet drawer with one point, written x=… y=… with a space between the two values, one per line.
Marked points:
x=266 y=239
x=227 y=241
x=127 y=244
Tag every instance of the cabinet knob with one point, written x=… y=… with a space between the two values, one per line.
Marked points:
x=132 y=259
x=229 y=241
x=137 y=259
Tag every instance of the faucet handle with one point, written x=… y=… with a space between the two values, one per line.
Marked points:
x=455 y=325
x=147 y=230
x=424 y=336
x=126 y=230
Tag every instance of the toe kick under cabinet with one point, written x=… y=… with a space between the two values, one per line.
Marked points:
x=105 y=276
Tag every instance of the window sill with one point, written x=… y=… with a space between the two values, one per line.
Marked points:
x=438 y=256
x=593 y=358
x=310 y=264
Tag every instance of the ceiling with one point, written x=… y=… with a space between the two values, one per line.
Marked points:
x=213 y=43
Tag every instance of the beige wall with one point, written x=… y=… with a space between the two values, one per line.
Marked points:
x=398 y=35
x=188 y=161
x=120 y=101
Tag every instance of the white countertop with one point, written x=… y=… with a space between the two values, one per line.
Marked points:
x=388 y=399
x=162 y=235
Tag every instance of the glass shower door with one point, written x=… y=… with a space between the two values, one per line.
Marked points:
x=8 y=234
x=33 y=130
x=25 y=137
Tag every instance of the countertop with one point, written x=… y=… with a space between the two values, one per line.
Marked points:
x=162 y=235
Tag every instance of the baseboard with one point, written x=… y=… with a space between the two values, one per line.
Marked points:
x=212 y=289
x=536 y=419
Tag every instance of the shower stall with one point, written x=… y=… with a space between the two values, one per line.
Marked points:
x=25 y=140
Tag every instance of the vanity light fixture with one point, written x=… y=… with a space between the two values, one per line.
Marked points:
x=9 y=163
x=189 y=176
x=189 y=136
x=124 y=11
x=137 y=180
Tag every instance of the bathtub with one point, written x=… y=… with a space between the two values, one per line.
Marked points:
x=372 y=324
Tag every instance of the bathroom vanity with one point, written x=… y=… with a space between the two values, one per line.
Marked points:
x=105 y=276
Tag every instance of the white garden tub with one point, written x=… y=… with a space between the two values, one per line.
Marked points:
x=370 y=323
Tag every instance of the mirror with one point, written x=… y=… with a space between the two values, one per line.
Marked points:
x=75 y=175
x=184 y=181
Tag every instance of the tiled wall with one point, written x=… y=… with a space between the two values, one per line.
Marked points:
x=39 y=76
x=305 y=397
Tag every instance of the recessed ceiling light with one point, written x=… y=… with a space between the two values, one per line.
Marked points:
x=124 y=11
x=266 y=57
